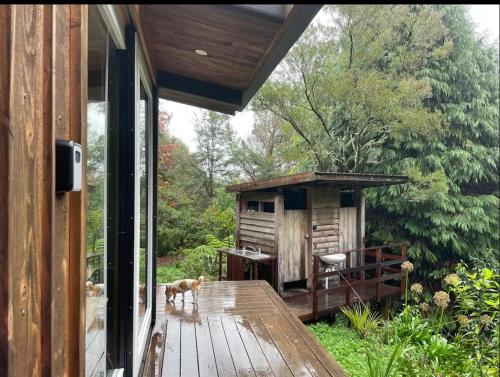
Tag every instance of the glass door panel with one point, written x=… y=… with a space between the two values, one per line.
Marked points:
x=143 y=203
x=143 y=229
x=95 y=321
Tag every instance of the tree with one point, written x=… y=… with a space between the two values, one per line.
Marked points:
x=334 y=90
x=260 y=156
x=459 y=222
x=181 y=196
x=213 y=137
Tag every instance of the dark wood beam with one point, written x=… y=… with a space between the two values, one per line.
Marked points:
x=198 y=88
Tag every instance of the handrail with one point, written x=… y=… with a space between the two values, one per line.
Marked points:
x=389 y=246
x=382 y=263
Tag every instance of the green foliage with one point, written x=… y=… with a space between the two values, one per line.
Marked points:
x=452 y=200
x=348 y=349
x=169 y=273
x=201 y=260
x=262 y=154
x=213 y=138
x=377 y=369
x=476 y=307
x=219 y=221
x=362 y=319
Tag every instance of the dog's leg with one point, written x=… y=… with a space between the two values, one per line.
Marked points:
x=182 y=296
x=195 y=295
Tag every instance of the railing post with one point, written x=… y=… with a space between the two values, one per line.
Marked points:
x=220 y=265
x=314 y=287
x=379 y=272
x=402 y=285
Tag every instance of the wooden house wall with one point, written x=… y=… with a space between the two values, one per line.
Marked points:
x=256 y=229
x=293 y=246
x=325 y=220
x=42 y=235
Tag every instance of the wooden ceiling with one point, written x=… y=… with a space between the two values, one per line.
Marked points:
x=243 y=44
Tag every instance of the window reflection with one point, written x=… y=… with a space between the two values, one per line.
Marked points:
x=143 y=192
x=95 y=364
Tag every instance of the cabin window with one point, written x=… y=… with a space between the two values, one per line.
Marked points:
x=268 y=207
x=253 y=206
x=295 y=199
x=347 y=199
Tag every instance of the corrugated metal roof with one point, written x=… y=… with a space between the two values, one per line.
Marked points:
x=320 y=177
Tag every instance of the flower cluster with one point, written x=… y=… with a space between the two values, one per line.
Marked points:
x=462 y=320
x=424 y=307
x=417 y=288
x=441 y=299
x=485 y=320
x=452 y=279
x=407 y=266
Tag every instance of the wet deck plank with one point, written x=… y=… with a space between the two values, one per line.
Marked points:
x=301 y=305
x=238 y=329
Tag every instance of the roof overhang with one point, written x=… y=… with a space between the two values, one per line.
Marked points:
x=244 y=44
x=343 y=180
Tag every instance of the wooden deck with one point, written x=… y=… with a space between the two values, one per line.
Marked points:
x=238 y=328
x=301 y=305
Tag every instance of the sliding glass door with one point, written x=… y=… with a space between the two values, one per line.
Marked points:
x=143 y=211
x=99 y=48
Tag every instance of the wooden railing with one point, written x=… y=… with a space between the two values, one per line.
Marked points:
x=386 y=266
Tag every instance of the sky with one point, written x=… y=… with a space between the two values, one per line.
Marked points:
x=486 y=21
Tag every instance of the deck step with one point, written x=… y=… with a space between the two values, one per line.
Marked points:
x=295 y=292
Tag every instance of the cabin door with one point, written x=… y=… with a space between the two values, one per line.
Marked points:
x=293 y=245
x=347 y=227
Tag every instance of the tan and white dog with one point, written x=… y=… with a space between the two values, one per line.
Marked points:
x=182 y=286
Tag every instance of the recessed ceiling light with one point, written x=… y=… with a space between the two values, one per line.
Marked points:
x=201 y=52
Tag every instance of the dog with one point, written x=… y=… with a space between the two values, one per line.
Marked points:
x=182 y=286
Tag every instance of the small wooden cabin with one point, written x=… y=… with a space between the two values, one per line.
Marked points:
x=294 y=217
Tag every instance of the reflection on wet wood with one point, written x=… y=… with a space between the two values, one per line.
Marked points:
x=238 y=328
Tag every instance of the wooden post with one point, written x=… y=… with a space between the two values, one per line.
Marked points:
x=403 y=249
x=314 y=287
x=359 y=232
x=237 y=210
x=379 y=271
x=278 y=220
x=309 y=246
x=220 y=265
x=255 y=270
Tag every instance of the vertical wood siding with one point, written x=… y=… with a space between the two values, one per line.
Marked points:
x=325 y=219
x=41 y=238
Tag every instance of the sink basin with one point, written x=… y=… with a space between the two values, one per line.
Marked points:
x=332 y=258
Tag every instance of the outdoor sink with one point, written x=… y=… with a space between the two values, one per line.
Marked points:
x=332 y=258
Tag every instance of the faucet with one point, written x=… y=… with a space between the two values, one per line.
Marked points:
x=253 y=248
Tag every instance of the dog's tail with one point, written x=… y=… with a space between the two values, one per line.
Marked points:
x=200 y=279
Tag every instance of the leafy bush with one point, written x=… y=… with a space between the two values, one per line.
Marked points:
x=203 y=259
x=476 y=294
x=169 y=273
x=378 y=369
x=362 y=319
x=349 y=349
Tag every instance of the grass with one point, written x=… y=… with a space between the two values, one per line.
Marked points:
x=169 y=273
x=348 y=349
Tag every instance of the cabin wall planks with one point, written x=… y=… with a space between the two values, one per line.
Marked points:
x=325 y=219
x=43 y=244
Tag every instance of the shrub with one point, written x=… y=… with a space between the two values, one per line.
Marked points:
x=362 y=319
x=203 y=259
